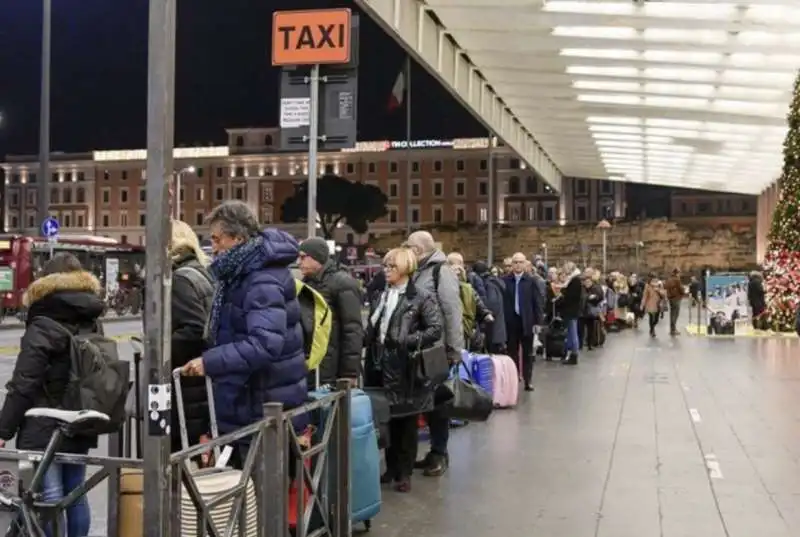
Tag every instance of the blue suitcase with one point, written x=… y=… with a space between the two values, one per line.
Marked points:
x=365 y=458
x=482 y=369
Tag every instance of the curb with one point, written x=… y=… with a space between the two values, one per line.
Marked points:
x=16 y=325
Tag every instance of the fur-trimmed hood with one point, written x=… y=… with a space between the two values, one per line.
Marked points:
x=79 y=281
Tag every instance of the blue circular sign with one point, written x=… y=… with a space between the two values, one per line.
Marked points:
x=50 y=227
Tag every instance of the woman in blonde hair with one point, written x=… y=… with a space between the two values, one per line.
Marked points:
x=402 y=321
x=192 y=293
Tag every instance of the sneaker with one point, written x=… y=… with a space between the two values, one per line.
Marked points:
x=438 y=466
x=424 y=462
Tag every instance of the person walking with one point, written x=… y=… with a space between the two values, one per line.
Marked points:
x=675 y=294
x=652 y=297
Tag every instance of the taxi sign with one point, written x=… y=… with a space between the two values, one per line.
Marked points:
x=308 y=37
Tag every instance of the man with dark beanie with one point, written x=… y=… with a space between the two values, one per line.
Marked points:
x=342 y=293
x=495 y=289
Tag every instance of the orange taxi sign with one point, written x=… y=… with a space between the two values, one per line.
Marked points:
x=308 y=37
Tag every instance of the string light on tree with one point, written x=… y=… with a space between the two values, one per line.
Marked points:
x=782 y=263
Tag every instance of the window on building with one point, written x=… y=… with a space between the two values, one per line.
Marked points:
x=483 y=188
x=483 y=214
x=372 y=167
x=329 y=168
x=66 y=219
x=123 y=195
x=238 y=193
x=199 y=172
x=55 y=195
x=142 y=219
x=606 y=187
x=351 y=168
x=703 y=207
x=438 y=189
x=484 y=165
x=514 y=212
x=239 y=141
x=66 y=196
x=31 y=178
x=581 y=214
x=79 y=220
x=415 y=166
x=531 y=212
x=106 y=196
x=31 y=220
x=513 y=185
x=461 y=214
x=549 y=213
x=437 y=165
x=80 y=195
x=124 y=175
x=267 y=140
x=219 y=194
x=14 y=222
x=514 y=164
x=55 y=176
x=415 y=215
x=460 y=166
x=239 y=171
x=581 y=188
x=81 y=177
x=415 y=189
x=393 y=167
x=461 y=188
x=106 y=220
x=531 y=185
x=31 y=197
x=394 y=190
x=219 y=172
x=142 y=195
x=123 y=219
x=123 y=239
x=393 y=216
x=437 y=215
x=198 y=218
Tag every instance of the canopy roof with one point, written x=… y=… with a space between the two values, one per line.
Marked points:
x=678 y=92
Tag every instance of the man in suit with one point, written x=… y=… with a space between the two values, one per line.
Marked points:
x=523 y=310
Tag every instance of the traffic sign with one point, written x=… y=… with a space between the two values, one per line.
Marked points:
x=50 y=227
x=308 y=37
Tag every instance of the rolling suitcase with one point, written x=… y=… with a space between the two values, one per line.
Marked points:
x=212 y=482
x=504 y=382
x=365 y=457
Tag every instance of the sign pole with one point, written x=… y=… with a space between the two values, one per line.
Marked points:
x=313 y=141
x=157 y=322
x=43 y=199
x=490 y=228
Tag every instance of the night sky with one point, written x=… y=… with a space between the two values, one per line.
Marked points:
x=224 y=77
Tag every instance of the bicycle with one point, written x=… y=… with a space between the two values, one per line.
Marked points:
x=25 y=513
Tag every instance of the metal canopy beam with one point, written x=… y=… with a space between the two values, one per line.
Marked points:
x=429 y=43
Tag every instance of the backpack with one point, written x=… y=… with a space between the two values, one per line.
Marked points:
x=317 y=320
x=469 y=307
x=98 y=379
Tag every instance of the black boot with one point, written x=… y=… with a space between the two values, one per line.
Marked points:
x=438 y=465
x=572 y=359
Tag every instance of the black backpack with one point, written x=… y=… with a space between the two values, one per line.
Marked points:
x=98 y=379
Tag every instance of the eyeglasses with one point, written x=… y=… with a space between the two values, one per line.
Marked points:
x=389 y=266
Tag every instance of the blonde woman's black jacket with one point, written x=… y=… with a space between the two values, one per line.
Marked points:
x=417 y=322
x=41 y=373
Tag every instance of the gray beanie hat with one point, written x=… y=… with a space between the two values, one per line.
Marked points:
x=316 y=248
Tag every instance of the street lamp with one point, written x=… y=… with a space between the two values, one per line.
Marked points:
x=178 y=179
x=604 y=226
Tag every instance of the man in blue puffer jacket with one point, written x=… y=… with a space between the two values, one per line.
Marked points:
x=255 y=335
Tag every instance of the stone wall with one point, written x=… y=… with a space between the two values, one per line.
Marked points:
x=690 y=246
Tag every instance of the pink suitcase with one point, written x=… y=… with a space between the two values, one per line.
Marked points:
x=506 y=383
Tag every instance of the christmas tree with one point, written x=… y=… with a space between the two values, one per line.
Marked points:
x=782 y=263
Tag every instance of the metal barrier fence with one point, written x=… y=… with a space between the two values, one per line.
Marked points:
x=315 y=467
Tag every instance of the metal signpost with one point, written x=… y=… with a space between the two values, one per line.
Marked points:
x=490 y=228
x=50 y=228
x=314 y=38
x=157 y=323
x=43 y=191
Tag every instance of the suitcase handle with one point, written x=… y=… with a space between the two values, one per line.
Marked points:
x=212 y=409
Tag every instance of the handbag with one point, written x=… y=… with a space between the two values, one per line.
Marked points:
x=432 y=365
x=470 y=402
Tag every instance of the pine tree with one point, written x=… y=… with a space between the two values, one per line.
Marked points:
x=782 y=263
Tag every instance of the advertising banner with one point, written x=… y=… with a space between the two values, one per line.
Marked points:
x=727 y=294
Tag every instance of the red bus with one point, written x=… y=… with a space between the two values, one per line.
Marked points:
x=22 y=259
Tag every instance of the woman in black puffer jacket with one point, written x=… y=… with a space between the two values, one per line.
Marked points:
x=192 y=293
x=65 y=299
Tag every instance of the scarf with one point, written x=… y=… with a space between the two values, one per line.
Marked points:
x=383 y=313
x=226 y=268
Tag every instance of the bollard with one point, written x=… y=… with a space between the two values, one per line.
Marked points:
x=272 y=505
x=343 y=524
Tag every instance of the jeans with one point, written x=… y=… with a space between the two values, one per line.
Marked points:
x=674 y=311
x=573 y=341
x=439 y=429
x=654 y=318
x=60 y=480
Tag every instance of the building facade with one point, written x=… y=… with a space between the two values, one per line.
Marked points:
x=103 y=192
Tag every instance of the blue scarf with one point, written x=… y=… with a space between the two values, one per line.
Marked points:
x=226 y=268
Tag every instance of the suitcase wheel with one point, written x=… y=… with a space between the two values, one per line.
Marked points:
x=368 y=524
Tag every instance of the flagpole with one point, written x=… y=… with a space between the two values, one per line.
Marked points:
x=408 y=144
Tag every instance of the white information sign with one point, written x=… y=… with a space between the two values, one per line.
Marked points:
x=295 y=112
